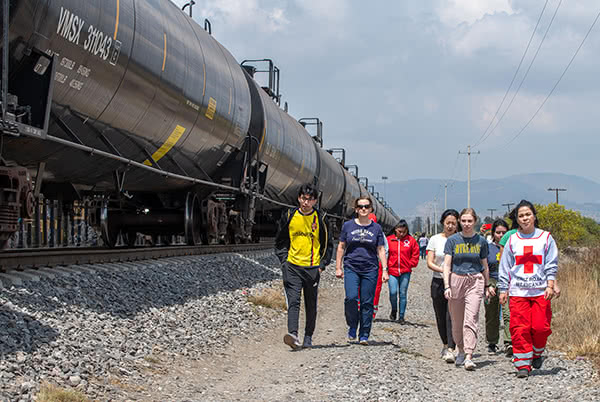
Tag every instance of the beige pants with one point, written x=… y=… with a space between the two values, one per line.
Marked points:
x=467 y=293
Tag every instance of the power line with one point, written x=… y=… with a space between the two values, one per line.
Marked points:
x=557 y=82
x=515 y=75
x=492 y=212
x=523 y=78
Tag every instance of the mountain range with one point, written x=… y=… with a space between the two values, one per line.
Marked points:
x=416 y=197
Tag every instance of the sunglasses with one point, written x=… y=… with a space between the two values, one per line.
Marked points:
x=363 y=206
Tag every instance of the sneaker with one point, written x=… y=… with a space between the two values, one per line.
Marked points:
x=307 y=342
x=393 y=315
x=448 y=356
x=508 y=351
x=351 y=334
x=292 y=341
x=460 y=359
x=523 y=373
x=492 y=349
x=536 y=363
x=469 y=365
x=443 y=352
x=401 y=321
x=364 y=341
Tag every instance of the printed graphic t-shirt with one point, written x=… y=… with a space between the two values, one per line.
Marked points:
x=467 y=253
x=304 y=240
x=361 y=245
x=493 y=259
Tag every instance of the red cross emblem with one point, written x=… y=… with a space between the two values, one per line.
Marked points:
x=528 y=259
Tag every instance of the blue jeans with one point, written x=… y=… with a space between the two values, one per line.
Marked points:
x=367 y=282
x=400 y=282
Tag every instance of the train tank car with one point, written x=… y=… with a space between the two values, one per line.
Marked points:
x=131 y=105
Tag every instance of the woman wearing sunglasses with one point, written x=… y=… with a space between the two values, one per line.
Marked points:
x=360 y=248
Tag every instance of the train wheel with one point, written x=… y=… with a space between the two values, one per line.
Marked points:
x=193 y=220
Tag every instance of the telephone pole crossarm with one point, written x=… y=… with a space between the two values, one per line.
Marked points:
x=557 y=190
x=508 y=205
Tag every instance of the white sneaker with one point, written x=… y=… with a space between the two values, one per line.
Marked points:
x=448 y=356
x=469 y=365
x=292 y=341
x=460 y=359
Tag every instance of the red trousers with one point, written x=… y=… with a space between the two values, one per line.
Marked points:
x=377 y=291
x=529 y=328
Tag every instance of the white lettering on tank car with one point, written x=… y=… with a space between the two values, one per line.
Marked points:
x=98 y=43
x=83 y=71
x=67 y=63
x=115 y=52
x=69 y=26
x=192 y=105
x=60 y=77
x=75 y=84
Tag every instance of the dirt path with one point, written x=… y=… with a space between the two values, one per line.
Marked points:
x=401 y=363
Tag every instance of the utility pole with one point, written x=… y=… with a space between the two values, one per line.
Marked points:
x=492 y=212
x=435 y=215
x=384 y=178
x=557 y=190
x=469 y=173
x=508 y=205
x=445 y=196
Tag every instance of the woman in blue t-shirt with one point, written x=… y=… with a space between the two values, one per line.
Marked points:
x=361 y=245
x=466 y=281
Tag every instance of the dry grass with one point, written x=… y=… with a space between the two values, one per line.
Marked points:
x=269 y=297
x=117 y=382
x=52 y=393
x=576 y=314
x=152 y=359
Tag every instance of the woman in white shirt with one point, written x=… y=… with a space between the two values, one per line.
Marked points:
x=435 y=260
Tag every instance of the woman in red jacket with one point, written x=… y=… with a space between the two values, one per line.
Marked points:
x=403 y=257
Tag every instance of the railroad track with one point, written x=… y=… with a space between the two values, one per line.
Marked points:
x=36 y=258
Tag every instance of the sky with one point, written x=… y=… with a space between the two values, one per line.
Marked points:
x=404 y=86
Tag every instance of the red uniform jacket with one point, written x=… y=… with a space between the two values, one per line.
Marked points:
x=403 y=255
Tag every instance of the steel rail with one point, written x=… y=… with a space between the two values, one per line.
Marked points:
x=19 y=260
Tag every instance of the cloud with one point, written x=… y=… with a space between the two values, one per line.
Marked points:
x=334 y=10
x=263 y=15
x=456 y=12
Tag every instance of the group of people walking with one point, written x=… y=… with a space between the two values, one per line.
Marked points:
x=514 y=273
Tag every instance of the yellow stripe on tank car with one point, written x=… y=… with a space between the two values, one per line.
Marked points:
x=211 y=109
x=117 y=21
x=166 y=147
x=164 y=52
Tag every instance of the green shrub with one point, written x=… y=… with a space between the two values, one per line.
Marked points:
x=568 y=227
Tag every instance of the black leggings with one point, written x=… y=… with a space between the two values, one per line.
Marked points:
x=442 y=316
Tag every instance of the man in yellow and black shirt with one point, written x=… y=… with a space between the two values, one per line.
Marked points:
x=303 y=245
